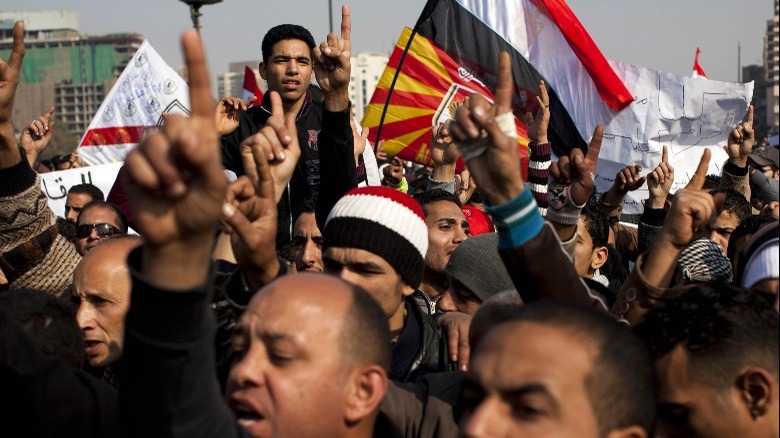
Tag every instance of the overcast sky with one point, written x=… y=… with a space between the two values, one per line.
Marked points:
x=660 y=34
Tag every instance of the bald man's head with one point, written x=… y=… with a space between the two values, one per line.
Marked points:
x=309 y=331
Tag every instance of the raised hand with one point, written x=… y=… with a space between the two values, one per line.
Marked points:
x=537 y=126
x=577 y=170
x=277 y=142
x=250 y=215
x=443 y=151
x=37 y=135
x=660 y=181
x=332 y=65
x=497 y=170
x=381 y=155
x=689 y=217
x=9 y=80
x=741 y=140
x=360 y=139
x=227 y=112
x=176 y=185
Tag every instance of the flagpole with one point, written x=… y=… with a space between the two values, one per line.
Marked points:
x=739 y=62
x=195 y=14
x=330 y=15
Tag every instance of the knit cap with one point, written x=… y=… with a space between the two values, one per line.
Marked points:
x=382 y=221
x=704 y=261
x=476 y=264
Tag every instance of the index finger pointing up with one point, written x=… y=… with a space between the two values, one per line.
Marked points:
x=750 y=116
x=595 y=146
x=665 y=155
x=504 y=85
x=697 y=181
x=346 y=23
x=200 y=88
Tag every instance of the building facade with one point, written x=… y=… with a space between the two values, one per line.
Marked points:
x=63 y=69
x=367 y=68
x=772 y=70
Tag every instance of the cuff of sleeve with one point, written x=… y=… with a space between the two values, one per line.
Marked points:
x=518 y=220
x=164 y=315
x=16 y=178
x=540 y=151
x=653 y=216
x=338 y=123
x=447 y=186
x=735 y=170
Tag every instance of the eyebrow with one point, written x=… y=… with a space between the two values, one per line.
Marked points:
x=448 y=220
x=297 y=58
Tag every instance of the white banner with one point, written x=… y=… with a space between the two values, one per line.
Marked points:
x=147 y=88
x=57 y=184
x=680 y=112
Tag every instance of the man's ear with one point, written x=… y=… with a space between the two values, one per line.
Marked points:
x=628 y=432
x=263 y=73
x=755 y=387
x=368 y=386
x=407 y=290
x=599 y=257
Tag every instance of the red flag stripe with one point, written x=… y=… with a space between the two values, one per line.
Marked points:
x=611 y=89
x=113 y=135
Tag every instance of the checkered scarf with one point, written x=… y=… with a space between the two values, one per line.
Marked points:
x=704 y=261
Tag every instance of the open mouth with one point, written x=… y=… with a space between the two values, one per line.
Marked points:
x=91 y=347
x=245 y=415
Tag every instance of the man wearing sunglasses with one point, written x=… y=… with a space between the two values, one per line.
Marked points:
x=98 y=221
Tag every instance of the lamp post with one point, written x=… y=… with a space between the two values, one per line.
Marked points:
x=195 y=10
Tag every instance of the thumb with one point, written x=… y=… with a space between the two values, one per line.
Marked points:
x=237 y=222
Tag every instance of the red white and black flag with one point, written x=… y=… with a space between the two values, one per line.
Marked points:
x=250 y=87
x=698 y=72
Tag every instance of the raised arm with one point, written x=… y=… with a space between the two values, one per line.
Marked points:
x=176 y=187
x=37 y=135
x=655 y=276
x=739 y=145
x=9 y=80
x=490 y=142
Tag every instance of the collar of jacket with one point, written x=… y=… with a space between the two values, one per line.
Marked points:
x=303 y=112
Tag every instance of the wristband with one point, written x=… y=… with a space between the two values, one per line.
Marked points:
x=561 y=208
x=473 y=149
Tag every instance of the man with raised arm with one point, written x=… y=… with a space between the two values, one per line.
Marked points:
x=176 y=190
x=290 y=57
x=32 y=253
x=487 y=139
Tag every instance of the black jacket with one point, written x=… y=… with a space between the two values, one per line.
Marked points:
x=333 y=172
x=424 y=343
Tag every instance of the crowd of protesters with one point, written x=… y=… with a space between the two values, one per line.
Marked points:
x=290 y=297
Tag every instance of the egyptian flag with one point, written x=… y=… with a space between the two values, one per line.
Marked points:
x=698 y=72
x=250 y=86
x=546 y=42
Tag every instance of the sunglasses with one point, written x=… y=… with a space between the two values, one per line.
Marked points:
x=102 y=230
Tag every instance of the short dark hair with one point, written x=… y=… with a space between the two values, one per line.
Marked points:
x=596 y=222
x=120 y=215
x=308 y=205
x=735 y=203
x=436 y=195
x=365 y=335
x=749 y=225
x=711 y=182
x=722 y=327
x=285 y=32
x=66 y=229
x=48 y=322
x=620 y=386
x=88 y=189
